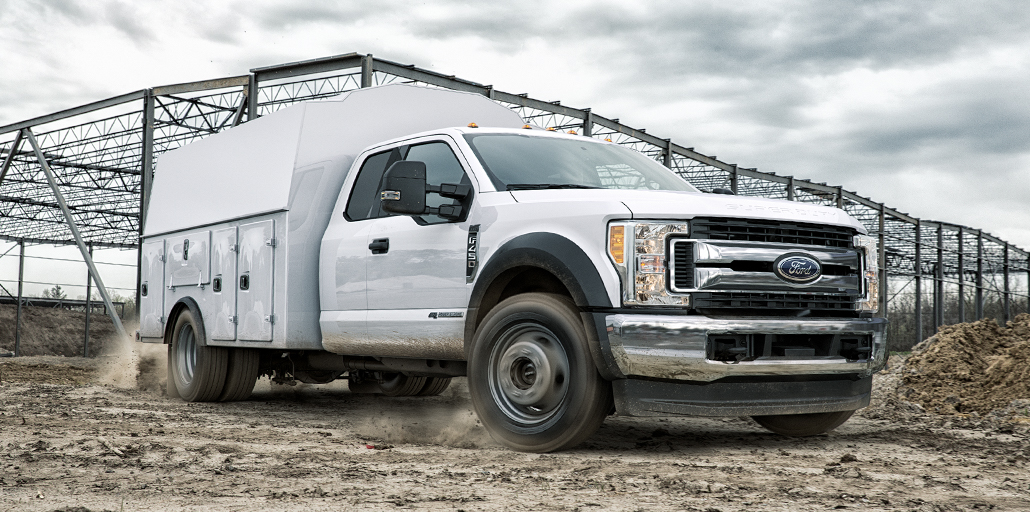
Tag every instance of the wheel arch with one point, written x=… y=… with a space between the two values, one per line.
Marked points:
x=554 y=263
x=186 y=303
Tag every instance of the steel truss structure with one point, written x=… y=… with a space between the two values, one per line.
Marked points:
x=83 y=175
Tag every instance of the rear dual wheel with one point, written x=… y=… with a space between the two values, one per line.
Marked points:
x=398 y=384
x=200 y=373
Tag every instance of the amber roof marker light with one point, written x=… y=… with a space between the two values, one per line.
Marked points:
x=473 y=125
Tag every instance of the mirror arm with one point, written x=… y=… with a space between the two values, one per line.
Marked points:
x=450 y=190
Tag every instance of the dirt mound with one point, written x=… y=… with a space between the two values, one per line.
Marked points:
x=973 y=367
x=54 y=332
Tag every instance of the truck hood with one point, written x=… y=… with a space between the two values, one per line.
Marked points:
x=657 y=204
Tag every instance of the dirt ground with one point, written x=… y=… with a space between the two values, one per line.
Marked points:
x=97 y=434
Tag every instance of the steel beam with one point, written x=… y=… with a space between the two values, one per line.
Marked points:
x=75 y=233
x=72 y=112
x=203 y=85
x=308 y=67
x=15 y=145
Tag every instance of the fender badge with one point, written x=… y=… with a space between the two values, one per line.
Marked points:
x=446 y=314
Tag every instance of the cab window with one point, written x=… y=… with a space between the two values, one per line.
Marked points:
x=441 y=167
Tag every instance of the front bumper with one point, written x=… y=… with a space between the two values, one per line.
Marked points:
x=668 y=371
x=676 y=347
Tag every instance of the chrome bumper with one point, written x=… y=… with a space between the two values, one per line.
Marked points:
x=675 y=347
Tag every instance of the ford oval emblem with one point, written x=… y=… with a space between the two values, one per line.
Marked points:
x=798 y=269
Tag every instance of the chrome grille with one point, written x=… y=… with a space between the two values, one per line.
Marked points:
x=755 y=230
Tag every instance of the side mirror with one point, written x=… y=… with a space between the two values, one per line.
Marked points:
x=404 y=188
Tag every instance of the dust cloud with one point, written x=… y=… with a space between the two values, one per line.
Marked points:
x=448 y=421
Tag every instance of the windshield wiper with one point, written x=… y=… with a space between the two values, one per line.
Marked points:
x=542 y=186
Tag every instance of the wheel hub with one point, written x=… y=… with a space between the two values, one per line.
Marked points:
x=529 y=374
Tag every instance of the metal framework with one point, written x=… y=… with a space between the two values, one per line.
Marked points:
x=82 y=177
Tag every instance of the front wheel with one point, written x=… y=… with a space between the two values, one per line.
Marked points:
x=532 y=381
x=803 y=425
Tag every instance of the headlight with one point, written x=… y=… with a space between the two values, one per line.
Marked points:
x=871 y=265
x=638 y=251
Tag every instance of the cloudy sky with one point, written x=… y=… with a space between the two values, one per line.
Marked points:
x=924 y=105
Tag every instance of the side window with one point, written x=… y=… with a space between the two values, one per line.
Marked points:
x=364 y=201
x=441 y=167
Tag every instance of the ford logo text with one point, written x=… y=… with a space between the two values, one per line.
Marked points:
x=798 y=269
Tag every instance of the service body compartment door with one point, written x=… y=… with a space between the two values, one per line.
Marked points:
x=151 y=295
x=223 y=284
x=189 y=259
x=254 y=281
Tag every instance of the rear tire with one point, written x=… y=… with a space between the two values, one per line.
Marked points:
x=398 y=384
x=240 y=375
x=197 y=372
x=803 y=425
x=531 y=378
x=434 y=386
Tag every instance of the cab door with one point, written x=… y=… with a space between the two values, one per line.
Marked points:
x=417 y=291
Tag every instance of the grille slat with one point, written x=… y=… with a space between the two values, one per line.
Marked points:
x=683 y=263
x=753 y=230
x=773 y=301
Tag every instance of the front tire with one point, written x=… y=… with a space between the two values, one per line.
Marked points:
x=803 y=425
x=532 y=380
x=196 y=371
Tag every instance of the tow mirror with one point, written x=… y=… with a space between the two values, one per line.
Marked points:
x=404 y=188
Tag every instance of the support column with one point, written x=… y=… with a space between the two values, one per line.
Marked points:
x=252 y=97
x=89 y=306
x=366 y=71
x=882 y=258
x=588 y=124
x=938 y=300
x=146 y=183
x=21 y=282
x=733 y=179
x=840 y=201
x=919 y=282
x=1005 y=274
x=979 y=274
x=668 y=154
x=961 y=279
x=790 y=188
x=75 y=233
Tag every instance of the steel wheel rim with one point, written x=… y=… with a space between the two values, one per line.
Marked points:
x=186 y=354
x=528 y=374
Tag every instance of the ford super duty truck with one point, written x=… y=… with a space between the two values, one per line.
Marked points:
x=400 y=236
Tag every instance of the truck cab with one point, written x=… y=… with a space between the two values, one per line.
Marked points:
x=567 y=277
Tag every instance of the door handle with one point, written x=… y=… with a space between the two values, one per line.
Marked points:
x=380 y=245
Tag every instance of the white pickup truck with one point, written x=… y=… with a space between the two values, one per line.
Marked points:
x=399 y=236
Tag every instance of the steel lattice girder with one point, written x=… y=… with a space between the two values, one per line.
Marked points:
x=98 y=150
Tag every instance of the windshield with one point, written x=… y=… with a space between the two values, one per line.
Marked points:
x=523 y=162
